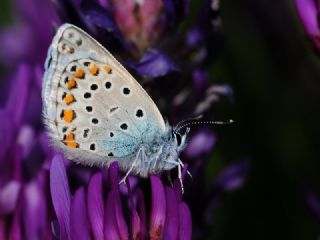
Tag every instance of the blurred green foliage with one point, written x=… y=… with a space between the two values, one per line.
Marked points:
x=5 y=13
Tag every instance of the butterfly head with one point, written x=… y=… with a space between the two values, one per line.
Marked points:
x=179 y=139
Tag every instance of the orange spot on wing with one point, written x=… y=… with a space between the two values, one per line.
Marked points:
x=68 y=115
x=72 y=144
x=94 y=69
x=107 y=69
x=69 y=141
x=71 y=84
x=68 y=99
x=69 y=137
x=79 y=73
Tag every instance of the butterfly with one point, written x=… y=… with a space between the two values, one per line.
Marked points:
x=97 y=113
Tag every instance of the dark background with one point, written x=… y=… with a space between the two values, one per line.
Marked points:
x=275 y=75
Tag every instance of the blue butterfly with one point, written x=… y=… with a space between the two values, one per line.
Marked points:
x=97 y=113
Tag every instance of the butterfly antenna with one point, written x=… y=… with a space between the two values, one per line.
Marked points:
x=203 y=122
x=186 y=120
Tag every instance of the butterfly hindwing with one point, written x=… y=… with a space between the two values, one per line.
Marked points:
x=95 y=110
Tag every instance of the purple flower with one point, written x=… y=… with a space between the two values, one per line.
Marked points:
x=96 y=206
x=308 y=11
x=61 y=196
x=158 y=213
x=100 y=214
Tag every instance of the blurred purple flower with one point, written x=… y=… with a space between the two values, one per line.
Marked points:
x=201 y=143
x=233 y=177
x=308 y=11
x=138 y=20
x=312 y=201
x=29 y=37
x=9 y=197
x=154 y=64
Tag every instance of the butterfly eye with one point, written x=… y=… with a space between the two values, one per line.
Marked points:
x=178 y=137
x=172 y=134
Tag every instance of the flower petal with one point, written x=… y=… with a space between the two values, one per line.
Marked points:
x=16 y=103
x=55 y=229
x=60 y=194
x=16 y=228
x=142 y=214
x=7 y=131
x=133 y=181
x=308 y=13
x=79 y=218
x=124 y=13
x=135 y=219
x=201 y=143
x=104 y=3
x=38 y=73
x=185 y=222
x=119 y=217
x=110 y=223
x=95 y=205
x=35 y=217
x=154 y=64
x=171 y=229
x=135 y=224
x=233 y=177
x=8 y=197
x=158 y=208
x=213 y=95
x=149 y=17
x=100 y=17
x=26 y=140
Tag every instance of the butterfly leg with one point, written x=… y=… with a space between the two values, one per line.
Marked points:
x=179 y=164
x=169 y=178
x=157 y=156
x=123 y=180
x=182 y=165
x=180 y=178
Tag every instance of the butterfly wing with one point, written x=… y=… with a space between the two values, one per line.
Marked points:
x=94 y=109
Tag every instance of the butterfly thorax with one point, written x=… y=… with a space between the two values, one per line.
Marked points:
x=160 y=154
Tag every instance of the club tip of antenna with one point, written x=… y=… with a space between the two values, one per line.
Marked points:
x=231 y=121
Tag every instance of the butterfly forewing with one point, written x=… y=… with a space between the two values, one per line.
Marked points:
x=94 y=109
